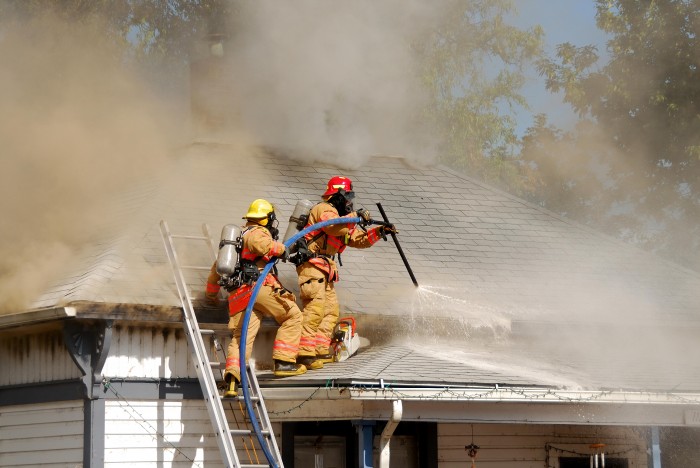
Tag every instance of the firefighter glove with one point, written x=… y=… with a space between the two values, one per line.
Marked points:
x=302 y=254
x=298 y=258
x=285 y=256
x=388 y=229
x=364 y=216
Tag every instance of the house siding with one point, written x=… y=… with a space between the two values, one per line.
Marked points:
x=151 y=352
x=154 y=352
x=526 y=446
x=40 y=357
x=47 y=434
x=141 y=433
x=135 y=352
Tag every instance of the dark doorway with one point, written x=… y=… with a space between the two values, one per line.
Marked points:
x=334 y=440
x=585 y=462
x=331 y=437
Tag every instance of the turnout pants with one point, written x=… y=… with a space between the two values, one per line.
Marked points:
x=320 y=310
x=279 y=304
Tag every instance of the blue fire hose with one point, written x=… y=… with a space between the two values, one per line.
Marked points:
x=246 y=320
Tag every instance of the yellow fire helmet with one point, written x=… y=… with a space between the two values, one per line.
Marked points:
x=259 y=211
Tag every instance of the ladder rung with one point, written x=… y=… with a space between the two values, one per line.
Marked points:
x=247 y=432
x=240 y=397
x=180 y=236
x=207 y=332
x=194 y=267
x=217 y=365
x=255 y=466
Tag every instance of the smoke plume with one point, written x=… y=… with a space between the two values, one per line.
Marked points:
x=76 y=125
x=333 y=80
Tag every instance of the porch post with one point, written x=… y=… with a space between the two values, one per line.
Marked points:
x=365 y=441
x=88 y=344
x=655 y=455
x=94 y=433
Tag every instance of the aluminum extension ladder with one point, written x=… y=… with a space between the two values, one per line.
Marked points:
x=205 y=366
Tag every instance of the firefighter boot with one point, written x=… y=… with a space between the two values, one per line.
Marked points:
x=325 y=358
x=232 y=385
x=286 y=369
x=310 y=362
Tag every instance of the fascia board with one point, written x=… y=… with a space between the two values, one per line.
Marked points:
x=36 y=316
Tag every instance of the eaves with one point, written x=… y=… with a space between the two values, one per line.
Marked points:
x=479 y=404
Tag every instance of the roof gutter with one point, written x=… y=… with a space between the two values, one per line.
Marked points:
x=501 y=394
x=482 y=393
x=452 y=404
x=385 y=441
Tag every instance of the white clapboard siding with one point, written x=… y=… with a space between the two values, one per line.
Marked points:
x=167 y=433
x=149 y=352
x=524 y=446
x=35 y=358
x=162 y=433
x=47 y=434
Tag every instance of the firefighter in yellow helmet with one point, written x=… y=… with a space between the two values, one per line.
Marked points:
x=318 y=271
x=260 y=245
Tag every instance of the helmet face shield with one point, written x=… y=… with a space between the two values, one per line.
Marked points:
x=271 y=224
x=342 y=201
x=348 y=195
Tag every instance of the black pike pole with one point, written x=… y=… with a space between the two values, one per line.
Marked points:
x=398 y=247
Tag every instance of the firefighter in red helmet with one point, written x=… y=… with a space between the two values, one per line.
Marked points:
x=260 y=245
x=317 y=269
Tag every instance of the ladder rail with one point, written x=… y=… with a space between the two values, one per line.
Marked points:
x=262 y=409
x=201 y=357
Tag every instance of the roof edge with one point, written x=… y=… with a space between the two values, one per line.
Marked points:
x=143 y=313
x=37 y=316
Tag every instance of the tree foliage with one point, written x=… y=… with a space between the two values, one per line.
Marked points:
x=645 y=102
x=473 y=65
x=154 y=30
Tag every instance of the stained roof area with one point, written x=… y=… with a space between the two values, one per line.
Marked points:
x=487 y=262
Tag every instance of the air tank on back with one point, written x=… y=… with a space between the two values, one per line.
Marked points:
x=298 y=219
x=227 y=256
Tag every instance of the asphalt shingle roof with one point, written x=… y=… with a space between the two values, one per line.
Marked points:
x=485 y=259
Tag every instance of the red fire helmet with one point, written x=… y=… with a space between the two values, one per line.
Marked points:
x=336 y=183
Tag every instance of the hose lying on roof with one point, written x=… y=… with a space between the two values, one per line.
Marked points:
x=246 y=321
